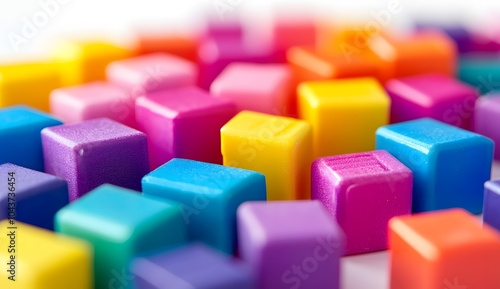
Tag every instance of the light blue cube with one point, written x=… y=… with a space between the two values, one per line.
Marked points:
x=120 y=224
x=449 y=164
x=20 y=139
x=209 y=194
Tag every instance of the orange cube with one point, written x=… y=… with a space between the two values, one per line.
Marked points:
x=444 y=249
x=423 y=52
x=181 y=45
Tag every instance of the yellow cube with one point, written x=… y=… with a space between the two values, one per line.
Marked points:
x=39 y=259
x=344 y=114
x=278 y=147
x=28 y=84
x=85 y=61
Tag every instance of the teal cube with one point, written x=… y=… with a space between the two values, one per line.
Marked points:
x=449 y=164
x=120 y=224
x=481 y=71
x=20 y=139
x=209 y=194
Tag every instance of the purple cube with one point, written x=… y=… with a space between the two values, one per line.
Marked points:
x=37 y=196
x=486 y=119
x=432 y=95
x=362 y=192
x=183 y=123
x=491 y=209
x=94 y=152
x=290 y=244
x=194 y=266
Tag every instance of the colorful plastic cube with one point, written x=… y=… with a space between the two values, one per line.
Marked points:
x=93 y=100
x=432 y=95
x=209 y=195
x=418 y=53
x=119 y=224
x=274 y=93
x=194 y=266
x=82 y=61
x=480 y=71
x=152 y=72
x=28 y=84
x=491 y=207
x=183 y=123
x=362 y=192
x=445 y=249
x=94 y=152
x=449 y=164
x=182 y=45
x=20 y=141
x=32 y=197
x=486 y=119
x=290 y=244
x=43 y=259
x=344 y=114
x=279 y=147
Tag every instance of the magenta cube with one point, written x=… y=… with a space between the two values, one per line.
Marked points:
x=290 y=244
x=432 y=95
x=95 y=152
x=93 y=100
x=183 y=123
x=362 y=192
x=487 y=118
x=152 y=72
x=272 y=95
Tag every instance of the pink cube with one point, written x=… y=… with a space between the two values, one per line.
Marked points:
x=183 y=123
x=292 y=32
x=93 y=100
x=432 y=95
x=362 y=192
x=152 y=72
x=290 y=244
x=272 y=95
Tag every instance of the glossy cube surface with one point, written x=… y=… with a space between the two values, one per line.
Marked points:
x=486 y=119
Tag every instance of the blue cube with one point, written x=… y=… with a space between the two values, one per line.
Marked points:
x=194 y=266
x=449 y=164
x=120 y=224
x=20 y=139
x=491 y=213
x=209 y=194
x=31 y=196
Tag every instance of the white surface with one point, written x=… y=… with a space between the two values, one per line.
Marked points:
x=118 y=19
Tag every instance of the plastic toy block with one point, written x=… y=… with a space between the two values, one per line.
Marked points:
x=419 y=53
x=446 y=249
x=94 y=152
x=194 y=266
x=20 y=141
x=209 y=195
x=152 y=72
x=93 y=100
x=182 y=45
x=491 y=211
x=82 y=61
x=274 y=93
x=481 y=71
x=309 y=64
x=43 y=259
x=487 y=117
x=290 y=244
x=32 y=197
x=463 y=38
x=449 y=164
x=183 y=123
x=279 y=147
x=432 y=95
x=215 y=54
x=28 y=84
x=218 y=28
x=120 y=224
x=362 y=192
x=344 y=114
x=286 y=33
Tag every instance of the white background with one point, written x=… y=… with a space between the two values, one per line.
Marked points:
x=118 y=19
